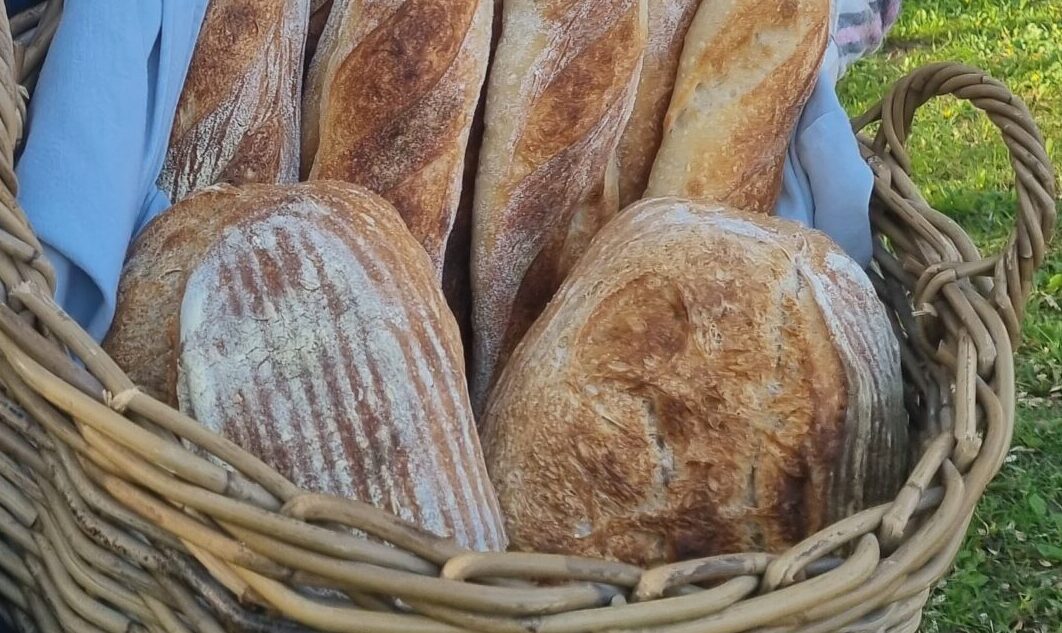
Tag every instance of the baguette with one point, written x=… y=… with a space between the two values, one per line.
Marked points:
x=668 y=22
x=559 y=95
x=705 y=382
x=456 y=276
x=390 y=98
x=237 y=119
x=746 y=71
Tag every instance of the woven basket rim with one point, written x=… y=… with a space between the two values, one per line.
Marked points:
x=110 y=524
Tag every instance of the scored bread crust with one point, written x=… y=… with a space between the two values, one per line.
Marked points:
x=315 y=335
x=704 y=382
x=237 y=119
x=143 y=335
x=559 y=94
x=746 y=71
x=668 y=23
x=389 y=102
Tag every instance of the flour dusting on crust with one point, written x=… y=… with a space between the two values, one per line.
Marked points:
x=238 y=118
x=704 y=382
x=559 y=96
x=318 y=341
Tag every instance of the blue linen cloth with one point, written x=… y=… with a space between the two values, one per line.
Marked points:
x=98 y=127
x=825 y=183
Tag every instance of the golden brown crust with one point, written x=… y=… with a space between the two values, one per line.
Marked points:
x=668 y=23
x=704 y=382
x=391 y=97
x=237 y=119
x=744 y=76
x=558 y=98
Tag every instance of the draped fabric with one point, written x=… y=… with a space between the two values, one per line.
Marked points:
x=99 y=123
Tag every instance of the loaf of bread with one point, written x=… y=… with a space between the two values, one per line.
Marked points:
x=558 y=98
x=745 y=73
x=457 y=274
x=704 y=382
x=391 y=94
x=668 y=22
x=312 y=332
x=237 y=119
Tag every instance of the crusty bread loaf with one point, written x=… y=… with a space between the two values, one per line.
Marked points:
x=237 y=119
x=316 y=336
x=356 y=385
x=746 y=71
x=391 y=94
x=457 y=275
x=558 y=97
x=144 y=332
x=704 y=382
x=668 y=22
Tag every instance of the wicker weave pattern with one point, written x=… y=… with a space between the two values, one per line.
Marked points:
x=109 y=524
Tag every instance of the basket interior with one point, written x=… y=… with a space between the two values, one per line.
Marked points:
x=109 y=523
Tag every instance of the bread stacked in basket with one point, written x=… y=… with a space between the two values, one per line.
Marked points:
x=528 y=294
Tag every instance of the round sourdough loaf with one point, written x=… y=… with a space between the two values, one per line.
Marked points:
x=704 y=382
x=313 y=333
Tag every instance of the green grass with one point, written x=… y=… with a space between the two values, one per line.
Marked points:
x=1008 y=577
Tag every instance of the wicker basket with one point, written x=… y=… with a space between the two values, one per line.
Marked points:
x=110 y=524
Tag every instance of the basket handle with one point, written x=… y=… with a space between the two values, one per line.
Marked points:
x=957 y=343
x=928 y=244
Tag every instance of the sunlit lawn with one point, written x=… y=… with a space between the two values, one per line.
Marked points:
x=1009 y=575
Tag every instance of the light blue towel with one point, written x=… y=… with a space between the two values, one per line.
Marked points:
x=826 y=184
x=99 y=123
